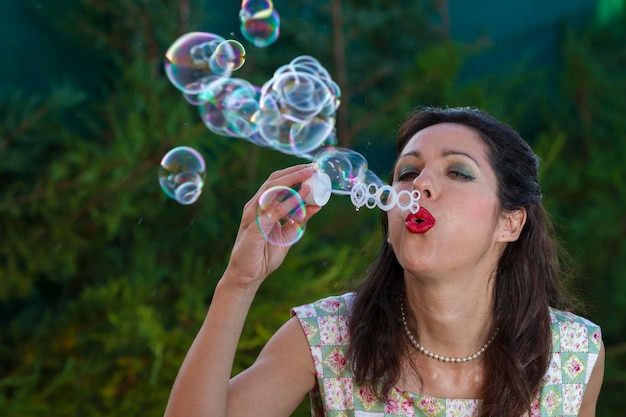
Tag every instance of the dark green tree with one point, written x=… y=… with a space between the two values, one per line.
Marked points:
x=105 y=280
x=584 y=176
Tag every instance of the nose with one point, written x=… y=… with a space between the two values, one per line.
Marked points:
x=423 y=183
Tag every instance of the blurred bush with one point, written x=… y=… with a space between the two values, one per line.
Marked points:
x=105 y=281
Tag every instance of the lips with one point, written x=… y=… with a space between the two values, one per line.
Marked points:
x=420 y=222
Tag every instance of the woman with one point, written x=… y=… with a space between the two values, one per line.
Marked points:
x=457 y=316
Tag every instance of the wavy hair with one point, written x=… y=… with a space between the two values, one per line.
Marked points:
x=528 y=280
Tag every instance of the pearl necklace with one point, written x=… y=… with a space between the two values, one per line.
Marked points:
x=442 y=358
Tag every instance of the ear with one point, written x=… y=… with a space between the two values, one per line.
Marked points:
x=511 y=225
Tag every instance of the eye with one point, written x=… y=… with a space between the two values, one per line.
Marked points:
x=407 y=173
x=461 y=174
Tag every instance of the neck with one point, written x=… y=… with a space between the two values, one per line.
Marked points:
x=452 y=317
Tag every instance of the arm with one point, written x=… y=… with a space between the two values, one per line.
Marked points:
x=285 y=366
x=284 y=373
x=588 y=407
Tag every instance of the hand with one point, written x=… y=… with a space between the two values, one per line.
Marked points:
x=253 y=258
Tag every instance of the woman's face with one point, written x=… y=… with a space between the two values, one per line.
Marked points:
x=460 y=224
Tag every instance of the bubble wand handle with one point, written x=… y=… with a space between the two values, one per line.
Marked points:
x=385 y=197
x=321 y=188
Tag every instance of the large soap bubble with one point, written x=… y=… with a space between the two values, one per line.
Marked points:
x=191 y=61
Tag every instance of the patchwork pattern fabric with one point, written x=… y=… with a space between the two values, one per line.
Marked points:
x=575 y=340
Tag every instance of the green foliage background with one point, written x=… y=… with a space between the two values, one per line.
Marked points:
x=104 y=280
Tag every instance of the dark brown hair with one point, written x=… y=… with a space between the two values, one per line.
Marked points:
x=528 y=277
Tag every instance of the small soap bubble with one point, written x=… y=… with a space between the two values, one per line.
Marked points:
x=261 y=31
x=229 y=55
x=182 y=174
x=281 y=216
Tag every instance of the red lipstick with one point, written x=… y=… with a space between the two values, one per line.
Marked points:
x=420 y=222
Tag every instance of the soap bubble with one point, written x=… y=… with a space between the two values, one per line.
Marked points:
x=191 y=63
x=227 y=107
x=281 y=216
x=182 y=174
x=261 y=31
x=345 y=167
x=229 y=54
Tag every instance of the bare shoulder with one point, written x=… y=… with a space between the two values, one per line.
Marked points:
x=279 y=379
x=590 y=399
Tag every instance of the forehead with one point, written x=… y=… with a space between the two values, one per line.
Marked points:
x=449 y=136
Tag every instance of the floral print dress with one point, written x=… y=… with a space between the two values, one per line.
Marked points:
x=575 y=340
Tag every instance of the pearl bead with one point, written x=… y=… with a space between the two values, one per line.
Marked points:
x=441 y=357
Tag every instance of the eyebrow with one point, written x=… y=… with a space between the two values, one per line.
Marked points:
x=445 y=152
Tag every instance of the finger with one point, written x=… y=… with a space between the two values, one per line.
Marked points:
x=289 y=176
x=281 y=203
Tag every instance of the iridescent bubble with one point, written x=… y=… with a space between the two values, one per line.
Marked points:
x=281 y=216
x=188 y=61
x=227 y=107
x=297 y=108
x=182 y=174
x=345 y=167
x=229 y=55
x=255 y=9
x=261 y=31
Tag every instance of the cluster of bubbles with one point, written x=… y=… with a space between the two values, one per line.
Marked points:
x=182 y=174
x=293 y=112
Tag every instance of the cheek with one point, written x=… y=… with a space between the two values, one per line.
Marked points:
x=478 y=216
